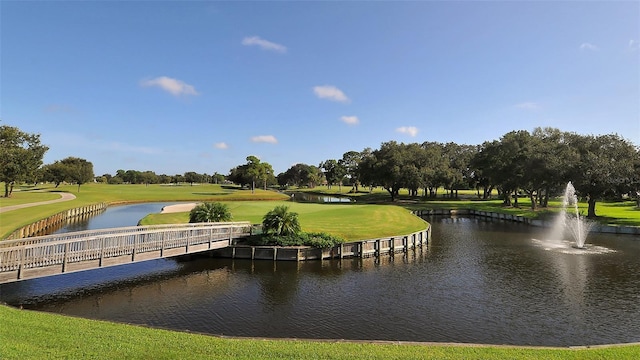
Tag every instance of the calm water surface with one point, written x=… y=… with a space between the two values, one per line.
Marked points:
x=478 y=281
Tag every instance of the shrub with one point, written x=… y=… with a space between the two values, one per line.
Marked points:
x=281 y=222
x=210 y=212
x=318 y=240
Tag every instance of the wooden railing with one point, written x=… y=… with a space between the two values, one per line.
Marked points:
x=61 y=253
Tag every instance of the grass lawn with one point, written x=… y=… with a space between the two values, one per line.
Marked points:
x=349 y=221
x=609 y=212
x=115 y=194
x=32 y=335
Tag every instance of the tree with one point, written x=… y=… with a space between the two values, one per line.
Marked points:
x=387 y=167
x=192 y=177
x=334 y=172
x=606 y=163
x=210 y=212
x=55 y=173
x=281 y=222
x=21 y=155
x=79 y=171
x=254 y=170
x=351 y=161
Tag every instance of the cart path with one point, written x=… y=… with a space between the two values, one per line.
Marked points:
x=63 y=197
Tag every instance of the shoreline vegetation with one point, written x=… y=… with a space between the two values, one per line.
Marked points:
x=30 y=335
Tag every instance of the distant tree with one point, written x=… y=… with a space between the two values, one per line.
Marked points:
x=164 y=179
x=387 y=167
x=57 y=173
x=176 y=179
x=192 y=177
x=334 y=172
x=251 y=172
x=21 y=155
x=217 y=178
x=79 y=171
x=210 y=212
x=606 y=163
x=148 y=177
x=350 y=162
x=281 y=222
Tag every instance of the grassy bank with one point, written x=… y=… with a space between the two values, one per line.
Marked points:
x=116 y=194
x=609 y=212
x=351 y=222
x=32 y=335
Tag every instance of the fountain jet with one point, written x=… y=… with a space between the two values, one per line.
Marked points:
x=571 y=223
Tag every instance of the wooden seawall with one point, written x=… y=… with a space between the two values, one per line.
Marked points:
x=41 y=226
x=358 y=249
x=84 y=250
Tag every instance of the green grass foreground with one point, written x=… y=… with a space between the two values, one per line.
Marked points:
x=33 y=335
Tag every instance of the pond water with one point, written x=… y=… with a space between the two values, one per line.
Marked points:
x=478 y=282
x=316 y=198
x=114 y=216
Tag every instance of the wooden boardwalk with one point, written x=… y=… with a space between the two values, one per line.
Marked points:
x=41 y=256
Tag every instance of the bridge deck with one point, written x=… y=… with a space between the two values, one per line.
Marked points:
x=35 y=257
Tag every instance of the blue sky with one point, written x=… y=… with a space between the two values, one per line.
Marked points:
x=199 y=86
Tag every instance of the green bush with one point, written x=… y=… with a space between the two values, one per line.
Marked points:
x=210 y=212
x=317 y=240
x=281 y=222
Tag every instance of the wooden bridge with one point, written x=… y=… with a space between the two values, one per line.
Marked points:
x=40 y=256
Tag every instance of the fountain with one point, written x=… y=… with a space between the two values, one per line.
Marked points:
x=574 y=224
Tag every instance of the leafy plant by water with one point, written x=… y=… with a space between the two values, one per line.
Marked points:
x=313 y=239
x=281 y=222
x=210 y=212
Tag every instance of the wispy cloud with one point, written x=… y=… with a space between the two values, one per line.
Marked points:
x=270 y=139
x=589 y=47
x=221 y=145
x=351 y=120
x=408 y=130
x=633 y=45
x=330 y=92
x=528 y=105
x=263 y=44
x=173 y=86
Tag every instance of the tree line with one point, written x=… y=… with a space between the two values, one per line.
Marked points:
x=535 y=164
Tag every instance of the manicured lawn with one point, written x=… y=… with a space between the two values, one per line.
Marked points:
x=609 y=212
x=351 y=222
x=24 y=197
x=118 y=194
x=33 y=335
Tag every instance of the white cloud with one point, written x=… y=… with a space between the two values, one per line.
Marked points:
x=174 y=86
x=330 y=92
x=270 y=139
x=221 y=145
x=633 y=45
x=589 y=46
x=264 y=44
x=351 y=120
x=409 y=130
x=529 y=105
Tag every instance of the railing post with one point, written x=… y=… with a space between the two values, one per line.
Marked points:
x=64 y=259
x=101 y=251
x=20 y=264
